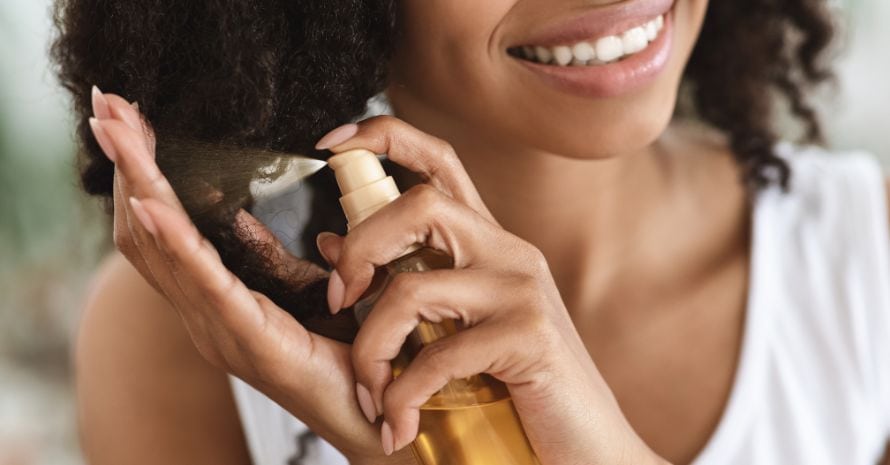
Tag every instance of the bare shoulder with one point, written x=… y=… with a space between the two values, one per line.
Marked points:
x=144 y=394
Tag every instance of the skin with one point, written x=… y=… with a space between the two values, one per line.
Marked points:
x=650 y=261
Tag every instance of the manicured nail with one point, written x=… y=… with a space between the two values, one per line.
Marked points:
x=337 y=136
x=336 y=292
x=135 y=105
x=143 y=216
x=386 y=439
x=101 y=109
x=365 y=402
x=103 y=139
x=319 y=240
x=131 y=118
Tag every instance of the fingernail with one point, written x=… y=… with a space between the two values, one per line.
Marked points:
x=365 y=402
x=103 y=139
x=101 y=110
x=319 y=240
x=131 y=119
x=386 y=438
x=337 y=136
x=135 y=105
x=336 y=292
x=143 y=216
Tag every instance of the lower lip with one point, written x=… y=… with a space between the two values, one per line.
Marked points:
x=613 y=79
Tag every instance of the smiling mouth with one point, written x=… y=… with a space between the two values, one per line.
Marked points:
x=596 y=51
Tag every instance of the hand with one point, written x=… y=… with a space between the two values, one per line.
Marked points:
x=236 y=329
x=518 y=329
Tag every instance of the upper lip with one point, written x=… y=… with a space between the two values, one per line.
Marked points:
x=597 y=22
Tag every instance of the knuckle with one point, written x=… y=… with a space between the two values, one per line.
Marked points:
x=528 y=256
x=405 y=287
x=434 y=357
x=538 y=331
x=426 y=198
x=536 y=259
x=384 y=120
x=192 y=244
x=445 y=151
x=219 y=296
x=157 y=181
x=385 y=124
x=393 y=400
x=362 y=353
x=360 y=357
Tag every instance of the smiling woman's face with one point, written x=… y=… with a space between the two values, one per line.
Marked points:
x=577 y=78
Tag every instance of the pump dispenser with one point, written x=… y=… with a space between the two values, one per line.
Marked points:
x=471 y=421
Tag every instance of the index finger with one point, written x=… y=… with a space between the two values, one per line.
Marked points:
x=430 y=157
x=135 y=162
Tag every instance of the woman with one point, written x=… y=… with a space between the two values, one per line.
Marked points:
x=649 y=289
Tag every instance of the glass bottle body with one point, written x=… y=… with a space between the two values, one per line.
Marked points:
x=471 y=421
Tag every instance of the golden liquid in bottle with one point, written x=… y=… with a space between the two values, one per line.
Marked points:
x=471 y=421
x=477 y=434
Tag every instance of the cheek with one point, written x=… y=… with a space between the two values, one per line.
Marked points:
x=450 y=64
x=446 y=46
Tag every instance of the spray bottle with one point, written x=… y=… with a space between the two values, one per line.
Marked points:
x=471 y=421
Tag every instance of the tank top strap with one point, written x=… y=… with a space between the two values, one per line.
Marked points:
x=831 y=241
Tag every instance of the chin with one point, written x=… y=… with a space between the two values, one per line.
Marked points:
x=624 y=128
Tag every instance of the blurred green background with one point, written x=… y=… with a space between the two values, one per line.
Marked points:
x=51 y=237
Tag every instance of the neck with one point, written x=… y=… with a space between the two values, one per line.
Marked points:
x=585 y=215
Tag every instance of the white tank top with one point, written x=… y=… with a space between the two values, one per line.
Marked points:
x=813 y=381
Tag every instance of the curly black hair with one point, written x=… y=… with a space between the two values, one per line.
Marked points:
x=278 y=74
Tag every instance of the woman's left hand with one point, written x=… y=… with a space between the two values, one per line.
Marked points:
x=517 y=326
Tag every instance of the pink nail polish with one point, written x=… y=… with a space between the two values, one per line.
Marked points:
x=337 y=136
x=336 y=292
x=101 y=109
x=143 y=216
x=365 y=402
x=386 y=439
x=131 y=119
x=103 y=139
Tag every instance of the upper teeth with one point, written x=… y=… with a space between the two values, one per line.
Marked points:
x=599 y=51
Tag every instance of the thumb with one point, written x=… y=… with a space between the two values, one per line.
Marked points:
x=329 y=245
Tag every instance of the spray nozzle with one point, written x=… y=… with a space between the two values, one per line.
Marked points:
x=293 y=168
x=364 y=184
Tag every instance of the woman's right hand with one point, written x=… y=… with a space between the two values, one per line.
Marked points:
x=234 y=328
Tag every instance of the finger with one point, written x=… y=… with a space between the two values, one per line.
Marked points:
x=129 y=114
x=130 y=238
x=430 y=157
x=197 y=267
x=329 y=245
x=101 y=109
x=123 y=111
x=432 y=296
x=465 y=354
x=422 y=215
x=153 y=259
x=255 y=338
x=123 y=238
x=132 y=157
